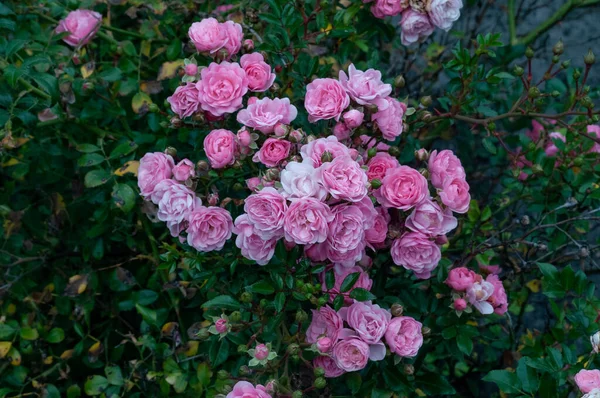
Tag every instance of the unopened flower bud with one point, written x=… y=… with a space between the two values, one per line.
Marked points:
x=222 y=374
x=399 y=81
x=524 y=220
x=293 y=348
x=301 y=316
x=202 y=166
x=555 y=59
x=274 y=88
x=397 y=309
x=272 y=174
x=296 y=136
x=565 y=64
x=425 y=331
x=529 y=52
x=372 y=152
x=533 y=92
x=576 y=74
x=375 y=183
x=518 y=71
x=326 y=157
x=191 y=69
x=595 y=340
x=409 y=369
x=558 y=48
x=153 y=108
x=460 y=304
x=281 y=129
x=320 y=382
x=244 y=369
x=203 y=334
x=426 y=101
x=425 y=116
x=310 y=138
x=242 y=349
x=248 y=45
x=213 y=199
x=324 y=344
x=537 y=169
x=589 y=58
x=235 y=316
x=171 y=151
x=176 y=122
x=421 y=154
x=319 y=372
x=246 y=297
x=297 y=394
x=491 y=126
x=555 y=94
x=394 y=151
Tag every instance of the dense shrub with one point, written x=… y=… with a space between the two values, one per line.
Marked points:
x=255 y=199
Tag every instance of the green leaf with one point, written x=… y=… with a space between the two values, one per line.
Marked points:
x=223 y=302
x=124 y=197
x=434 y=384
x=222 y=353
x=6 y=331
x=114 y=375
x=74 y=391
x=145 y=297
x=95 y=385
x=28 y=333
x=507 y=381
x=262 y=287
x=149 y=315
x=110 y=74
x=489 y=145
x=174 y=50
x=87 y=148
x=12 y=74
x=338 y=302
x=464 y=343
x=329 y=279
x=361 y=294
x=204 y=374
x=90 y=159
x=528 y=376
x=349 y=282
x=123 y=149
x=353 y=381
x=56 y=335
x=96 y=178
x=279 y=301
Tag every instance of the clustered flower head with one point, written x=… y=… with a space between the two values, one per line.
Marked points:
x=418 y=17
x=487 y=295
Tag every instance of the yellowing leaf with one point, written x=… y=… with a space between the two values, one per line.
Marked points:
x=48 y=360
x=140 y=103
x=5 y=347
x=15 y=357
x=420 y=393
x=146 y=47
x=129 y=167
x=10 y=162
x=77 y=285
x=87 y=69
x=11 y=309
x=472 y=323
x=95 y=350
x=191 y=348
x=168 y=328
x=534 y=285
x=66 y=354
x=169 y=69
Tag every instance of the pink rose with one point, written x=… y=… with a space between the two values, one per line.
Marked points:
x=341 y=131
x=175 y=206
x=324 y=344
x=351 y=354
x=478 y=294
x=266 y=211
x=346 y=238
x=379 y=164
x=377 y=234
x=403 y=188
x=594 y=131
x=460 y=304
x=414 y=251
x=250 y=243
x=221 y=325
x=154 y=167
x=207 y=35
x=340 y=273
x=415 y=26
x=444 y=166
x=325 y=99
x=353 y=118
x=455 y=195
x=300 y=180
x=160 y=189
x=307 y=221
x=209 y=228
x=328 y=365
x=368 y=320
x=253 y=183
x=460 y=278
x=387 y=8
x=366 y=88
x=184 y=101
x=264 y=114
x=184 y=170
x=258 y=71
x=429 y=219
x=389 y=119
x=325 y=323
x=344 y=179
x=587 y=380
x=233 y=36
x=314 y=150
x=369 y=142
x=220 y=148
x=191 y=69
x=273 y=152
x=243 y=389
x=498 y=299
x=443 y=13
x=404 y=336
x=82 y=26
x=222 y=87
x=536 y=131
x=551 y=149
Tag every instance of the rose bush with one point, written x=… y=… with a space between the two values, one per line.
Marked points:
x=284 y=199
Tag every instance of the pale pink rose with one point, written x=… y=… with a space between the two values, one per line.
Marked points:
x=551 y=149
x=154 y=167
x=184 y=170
x=207 y=35
x=444 y=166
x=344 y=179
x=325 y=99
x=478 y=294
x=404 y=336
x=455 y=195
x=366 y=88
x=460 y=304
x=184 y=101
x=379 y=164
x=253 y=183
x=461 y=278
x=594 y=131
x=82 y=26
x=307 y=221
x=368 y=320
x=222 y=87
x=324 y=344
x=351 y=354
x=273 y=152
x=443 y=13
x=261 y=352
x=160 y=189
x=587 y=380
x=414 y=251
x=415 y=27
x=224 y=8
x=243 y=389
x=250 y=243
x=220 y=147
x=535 y=133
x=353 y=118
x=328 y=365
x=368 y=210
x=266 y=211
x=314 y=150
x=221 y=325
x=387 y=8
x=429 y=219
x=264 y=114
x=498 y=299
x=341 y=131
x=300 y=180
x=325 y=323
x=191 y=69
x=346 y=238
x=389 y=119
x=317 y=252
x=233 y=36
x=340 y=273
x=403 y=188
x=260 y=77
x=175 y=206
x=209 y=228
x=377 y=234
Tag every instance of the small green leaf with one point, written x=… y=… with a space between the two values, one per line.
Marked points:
x=123 y=149
x=528 y=376
x=204 y=374
x=489 y=145
x=56 y=335
x=96 y=178
x=361 y=294
x=110 y=74
x=464 y=343
x=124 y=197
x=262 y=287
x=90 y=159
x=95 y=385
x=87 y=148
x=507 y=381
x=149 y=315
x=349 y=282
x=224 y=302
x=114 y=375
x=28 y=333
x=279 y=301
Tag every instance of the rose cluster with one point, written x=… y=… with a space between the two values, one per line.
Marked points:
x=419 y=17
x=346 y=340
x=487 y=295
